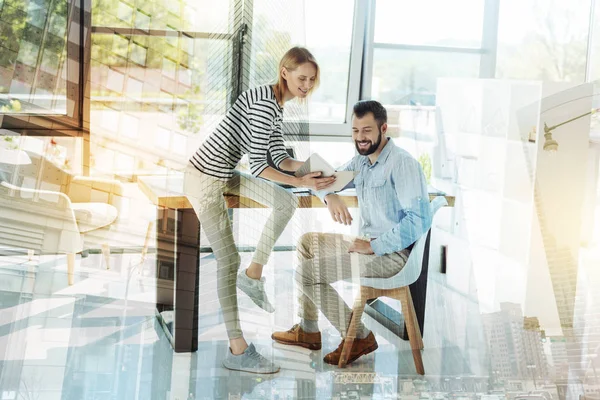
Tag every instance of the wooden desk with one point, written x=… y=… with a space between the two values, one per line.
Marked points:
x=167 y=191
x=178 y=260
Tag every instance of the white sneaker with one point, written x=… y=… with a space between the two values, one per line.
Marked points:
x=250 y=361
x=255 y=289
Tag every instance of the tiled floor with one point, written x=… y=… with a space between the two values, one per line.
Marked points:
x=99 y=339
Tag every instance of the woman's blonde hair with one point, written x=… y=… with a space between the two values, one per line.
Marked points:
x=291 y=60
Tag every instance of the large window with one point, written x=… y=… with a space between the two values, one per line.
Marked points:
x=544 y=40
x=161 y=72
x=279 y=26
x=332 y=48
x=33 y=51
x=41 y=55
x=408 y=77
x=430 y=22
x=413 y=43
x=409 y=45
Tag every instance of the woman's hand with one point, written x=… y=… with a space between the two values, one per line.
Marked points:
x=338 y=210
x=312 y=181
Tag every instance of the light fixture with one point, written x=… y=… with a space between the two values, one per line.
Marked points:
x=550 y=144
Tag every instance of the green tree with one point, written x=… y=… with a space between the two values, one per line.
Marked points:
x=172 y=55
x=34 y=35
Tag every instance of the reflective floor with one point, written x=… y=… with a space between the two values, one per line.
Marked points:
x=99 y=339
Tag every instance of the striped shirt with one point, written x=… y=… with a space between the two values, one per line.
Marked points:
x=252 y=126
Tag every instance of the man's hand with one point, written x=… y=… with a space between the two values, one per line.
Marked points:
x=338 y=210
x=361 y=246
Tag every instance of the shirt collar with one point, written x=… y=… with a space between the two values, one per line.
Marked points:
x=385 y=153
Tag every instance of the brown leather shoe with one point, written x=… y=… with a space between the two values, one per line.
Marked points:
x=297 y=337
x=360 y=347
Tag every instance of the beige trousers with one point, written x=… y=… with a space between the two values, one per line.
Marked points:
x=323 y=259
x=205 y=193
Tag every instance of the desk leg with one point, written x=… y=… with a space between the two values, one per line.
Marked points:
x=177 y=276
x=390 y=317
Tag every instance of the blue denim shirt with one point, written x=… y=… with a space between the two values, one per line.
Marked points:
x=392 y=199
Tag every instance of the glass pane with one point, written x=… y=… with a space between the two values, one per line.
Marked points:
x=331 y=48
x=33 y=57
x=187 y=15
x=159 y=93
x=545 y=40
x=595 y=44
x=408 y=77
x=429 y=22
x=161 y=88
x=273 y=35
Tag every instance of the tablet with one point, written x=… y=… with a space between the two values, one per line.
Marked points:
x=316 y=163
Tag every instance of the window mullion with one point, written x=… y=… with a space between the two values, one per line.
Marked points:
x=489 y=39
x=369 y=40
x=356 y=55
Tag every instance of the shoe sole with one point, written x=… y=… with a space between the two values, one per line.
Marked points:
x=254 y=301
x=252 y=372
x=310 y=346
x=356 y=357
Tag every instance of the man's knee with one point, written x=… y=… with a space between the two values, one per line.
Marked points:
x=304 y=274
x=305 y=244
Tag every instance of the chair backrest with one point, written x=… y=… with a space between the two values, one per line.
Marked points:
x=411 y=271
x=38 y=171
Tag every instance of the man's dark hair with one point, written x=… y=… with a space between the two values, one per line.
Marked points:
x=366 y=106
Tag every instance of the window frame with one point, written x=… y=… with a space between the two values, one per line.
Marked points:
x=487 y=51
x=338 y=130
x=73 y=122
x=361 y=62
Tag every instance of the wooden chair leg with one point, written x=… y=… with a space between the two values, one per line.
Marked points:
x=415 y=321
x=106 y=254
x=357 y=312
x=70 y=267
x=412 y=326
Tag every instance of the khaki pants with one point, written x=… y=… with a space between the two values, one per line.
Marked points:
x=323 y=259
x=205 y=193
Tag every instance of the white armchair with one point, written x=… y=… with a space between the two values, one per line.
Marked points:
x=49 y=211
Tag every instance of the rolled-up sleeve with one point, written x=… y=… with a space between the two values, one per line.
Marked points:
x=261 y=116
x=411 y=189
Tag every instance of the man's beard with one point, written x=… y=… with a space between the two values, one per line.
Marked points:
x=372 y=149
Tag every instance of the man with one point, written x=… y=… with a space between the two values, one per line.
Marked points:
x=395 y=212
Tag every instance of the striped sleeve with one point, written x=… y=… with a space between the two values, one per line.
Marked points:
x=261 y=116
x=277 y=149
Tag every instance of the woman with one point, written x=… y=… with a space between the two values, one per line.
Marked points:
x=252 y=126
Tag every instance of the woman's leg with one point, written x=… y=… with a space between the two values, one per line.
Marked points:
x=283 y=204
x=206 y=196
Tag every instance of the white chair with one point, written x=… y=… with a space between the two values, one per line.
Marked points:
x=396 y=287
x=47 y=210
